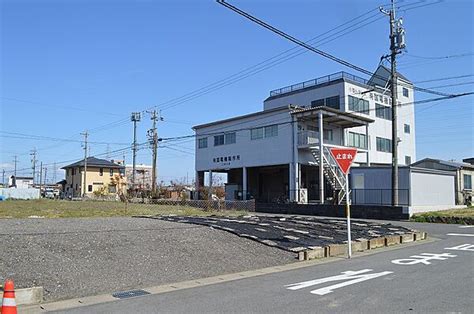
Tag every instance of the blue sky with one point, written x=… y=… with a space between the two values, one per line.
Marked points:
x=70 y=66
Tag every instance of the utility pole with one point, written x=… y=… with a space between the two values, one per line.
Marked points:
x=136 y=117
x=54 y=173
x=41 y=176
x=45 y=172
x=15 y=161
x=153 y=139
x=33 y=163
x=3 y=177
x=85 y=134
x=397 y=43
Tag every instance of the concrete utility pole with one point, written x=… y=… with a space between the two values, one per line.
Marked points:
x=33 y=163
x=3 y=177
x=136 y=117
x=153 y=138
x=397 y=43
x=45 y=172
x=85 y=134
x=15 y=161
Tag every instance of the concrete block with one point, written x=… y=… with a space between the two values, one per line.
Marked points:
x=337 y=249
x=319 y=252
x=420 y=235
x=376 y=243
x=359 y=246
x=301 y=256
x=392 y=240
x=409 y=237
x=27 y=296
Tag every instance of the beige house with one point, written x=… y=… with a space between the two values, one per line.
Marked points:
x=103 y=178
x=464 y=175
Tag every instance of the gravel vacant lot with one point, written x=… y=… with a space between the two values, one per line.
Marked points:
x=86 y=256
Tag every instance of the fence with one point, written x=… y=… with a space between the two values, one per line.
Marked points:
x=219 y=205
x=379 y=197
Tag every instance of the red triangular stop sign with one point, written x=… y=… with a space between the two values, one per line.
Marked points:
x=344 y=157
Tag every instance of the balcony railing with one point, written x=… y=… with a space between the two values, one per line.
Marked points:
x=308 y=138
x=317 y=81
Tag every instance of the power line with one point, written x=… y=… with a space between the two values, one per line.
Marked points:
x=271 y=122
x=444 y=78
x=48 y=138
x=314 y=49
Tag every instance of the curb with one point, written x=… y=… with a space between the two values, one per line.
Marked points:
x=27 y=296
x=360 y=245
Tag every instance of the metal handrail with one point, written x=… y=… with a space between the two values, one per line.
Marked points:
x=317 y=81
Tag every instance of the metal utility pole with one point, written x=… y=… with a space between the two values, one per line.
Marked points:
x=85 y=134
x=136 y=117
x=15 y=161
x=41 y=175
x=153 y=139
x=397 y=43
x=33 y=163
x=54 y=173
x=45 y=172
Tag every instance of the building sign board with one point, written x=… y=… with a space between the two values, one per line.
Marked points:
x=344 y=157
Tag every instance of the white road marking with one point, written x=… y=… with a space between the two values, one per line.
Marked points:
x=462 y=247
x=423 y=258
x=466 y=227
x=461 y=234
x=351 y=277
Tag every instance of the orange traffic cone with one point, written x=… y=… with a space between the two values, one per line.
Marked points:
x=8 y=304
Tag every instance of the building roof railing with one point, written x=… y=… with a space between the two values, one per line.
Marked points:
x=318 y=81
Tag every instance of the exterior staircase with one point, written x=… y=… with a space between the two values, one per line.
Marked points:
x=332 y=173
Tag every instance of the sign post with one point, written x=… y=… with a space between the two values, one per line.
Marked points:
x=344 y=158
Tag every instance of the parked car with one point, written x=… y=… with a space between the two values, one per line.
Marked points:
x=49 y=193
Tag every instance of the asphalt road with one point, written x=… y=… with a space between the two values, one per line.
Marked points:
x=401 y=280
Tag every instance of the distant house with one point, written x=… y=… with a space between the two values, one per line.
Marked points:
x=102 y=177
x=464 y=174
x=143 y=178
x=20 y=182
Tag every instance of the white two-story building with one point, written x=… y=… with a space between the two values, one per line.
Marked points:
x=274 y=155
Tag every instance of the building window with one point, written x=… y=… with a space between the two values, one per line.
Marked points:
x=383 y=112
x=256 y=133
x=332 y=102
x=89 y=188
x=73 y=171
x=406 y=128
x=230 y=138
x=358 y=105
x=271 y=131
x=219 y=140
x=267 y=131
x=101 y=171
x=357 y=140
x=111 y=172
x=317 y=103
x=407 y=160
x=327 y=135
x=467 y=182
x=405 y=92
x=384 y=145
x=202 y=142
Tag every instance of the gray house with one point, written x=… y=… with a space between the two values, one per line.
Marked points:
x=464 y=172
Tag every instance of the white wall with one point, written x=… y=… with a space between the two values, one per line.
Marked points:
x=431 y=192
x=379 y=128
x=261 y=152
x=20 y=193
